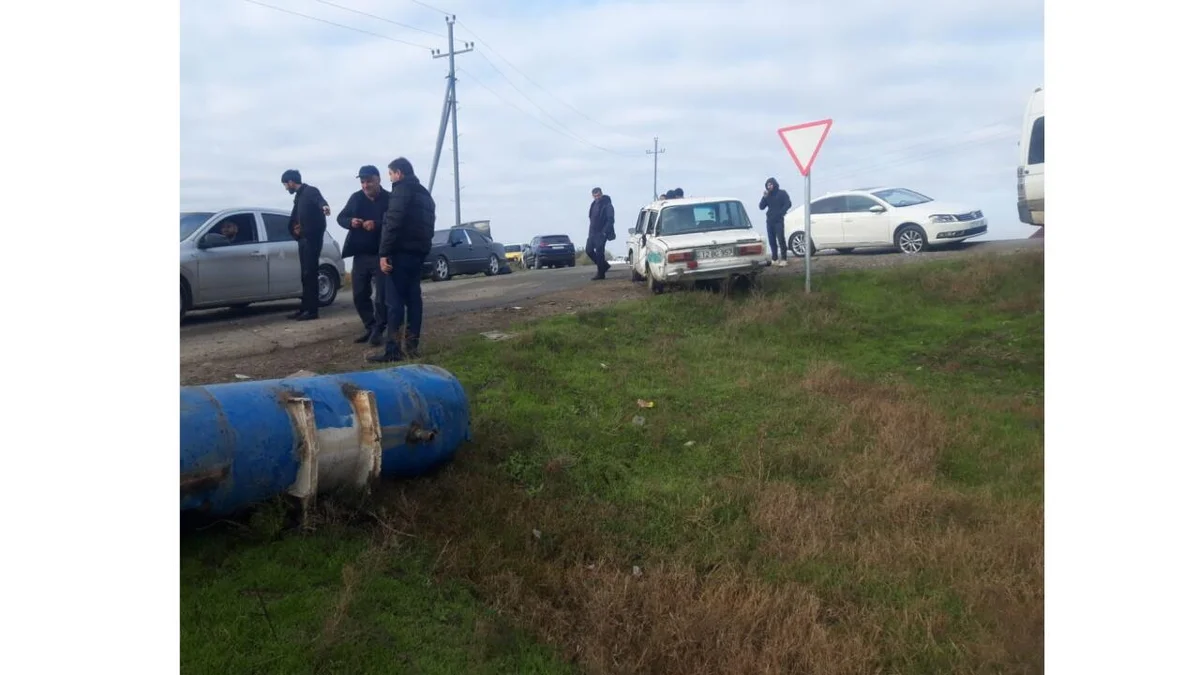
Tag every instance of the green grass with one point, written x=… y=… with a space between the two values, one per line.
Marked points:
x=844 y=482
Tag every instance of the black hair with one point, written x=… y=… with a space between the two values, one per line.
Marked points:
x=291 y=176
x=597 y=191
x=401 y=165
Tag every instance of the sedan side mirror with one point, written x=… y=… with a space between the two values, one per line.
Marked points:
x=212 y=240
x=877 y=209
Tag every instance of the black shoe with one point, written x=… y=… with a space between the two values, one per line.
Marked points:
x=375 y=338
x=364 y=337
x=388 y=356
x=307 y=316
x=599 y=277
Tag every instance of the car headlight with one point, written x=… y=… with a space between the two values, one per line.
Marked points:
x=942 y=218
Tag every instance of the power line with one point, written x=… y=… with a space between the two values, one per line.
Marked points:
x=540 y=108
x=520 y=72
x=381 y=18
x=428 y=6
x=514 y=106
x=339 y=25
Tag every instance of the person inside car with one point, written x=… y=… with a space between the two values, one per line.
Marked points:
x=229 y=230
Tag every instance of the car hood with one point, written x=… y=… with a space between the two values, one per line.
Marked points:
x=714 y=238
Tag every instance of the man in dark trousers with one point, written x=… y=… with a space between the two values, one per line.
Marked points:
x=776 y=203
x=600 y=231
x=405 y=243
x=363 y=220
x=309 y=210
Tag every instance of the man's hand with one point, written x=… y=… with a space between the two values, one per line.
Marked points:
x=369 y=225
x=325 y=209
x=766 y=192
x=385 y=265
x=296 y=229
x=356 y=222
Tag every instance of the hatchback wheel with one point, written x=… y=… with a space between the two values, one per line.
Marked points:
x=327 y=286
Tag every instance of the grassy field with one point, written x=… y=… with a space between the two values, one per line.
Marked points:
x=847 y=482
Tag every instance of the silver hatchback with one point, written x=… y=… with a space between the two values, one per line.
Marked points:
x=234 y=257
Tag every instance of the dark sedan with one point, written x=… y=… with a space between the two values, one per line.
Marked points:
x=551 y=250
x=462 y=250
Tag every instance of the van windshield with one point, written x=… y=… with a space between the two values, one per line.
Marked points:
x=706 y=217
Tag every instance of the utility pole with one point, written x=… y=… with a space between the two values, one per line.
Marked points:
x=450 y=112
x=656 y=152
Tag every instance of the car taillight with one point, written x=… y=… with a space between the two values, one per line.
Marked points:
x=679 y=256
x=750 y=249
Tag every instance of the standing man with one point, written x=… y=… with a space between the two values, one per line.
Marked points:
x=363 y=220
x=776 y=203
x=405 y=243
x=600 y=231
x=309 y=210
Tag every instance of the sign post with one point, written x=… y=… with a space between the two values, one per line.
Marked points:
x=803 y=142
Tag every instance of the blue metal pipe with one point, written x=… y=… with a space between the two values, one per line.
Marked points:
x=246 y=442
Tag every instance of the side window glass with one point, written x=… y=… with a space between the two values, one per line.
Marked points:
x=641 y=223
x=239 y=228
x=652 y=223
x=458 y=237
x=858 y=204
x=834 y=205
x=1037 y=142
x=278 y=227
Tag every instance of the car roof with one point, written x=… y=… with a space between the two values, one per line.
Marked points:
x=260 y=209
x=659 y=204
x=544 y=236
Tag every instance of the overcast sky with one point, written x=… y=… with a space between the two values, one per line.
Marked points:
x=562 y=96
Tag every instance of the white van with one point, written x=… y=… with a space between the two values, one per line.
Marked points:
x=1031 y=181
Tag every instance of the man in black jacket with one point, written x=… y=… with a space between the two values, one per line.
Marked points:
x=363 y=220
x=600 y=231
x=776 y=203
x=406 y=240
x=309 y=210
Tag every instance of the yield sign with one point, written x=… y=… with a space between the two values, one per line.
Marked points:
x=804 y=141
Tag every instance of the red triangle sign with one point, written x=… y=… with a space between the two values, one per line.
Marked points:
x=804 y=141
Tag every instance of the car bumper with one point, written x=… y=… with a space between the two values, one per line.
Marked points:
x=960 y=231
x=556 y=256
x=677 y=273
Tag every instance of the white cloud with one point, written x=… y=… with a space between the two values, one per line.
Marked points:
x=927 y=95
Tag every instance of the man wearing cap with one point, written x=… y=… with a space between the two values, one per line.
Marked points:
x=309 y=210
x=363 y=220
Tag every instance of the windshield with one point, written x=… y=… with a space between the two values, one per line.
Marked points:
x=900 y=197
x=708 y=217
x=512 y=248
x=441 y=237
x=189 y=221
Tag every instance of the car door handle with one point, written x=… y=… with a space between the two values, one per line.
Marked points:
x=258 y=254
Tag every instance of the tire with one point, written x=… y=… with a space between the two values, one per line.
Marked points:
x=537 y=263
x=328 y=282
x=845 y=251
x=911 y=240
x=655 y=287
x=571 y=264
x=441 y=269
x=635 y=276
x=493 y=266
x=185 y=298
x=796 y=245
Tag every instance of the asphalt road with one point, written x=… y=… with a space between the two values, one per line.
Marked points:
x=262 y=328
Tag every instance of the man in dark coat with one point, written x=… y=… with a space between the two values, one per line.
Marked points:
x=775 y=202
x=601 y=220
x=405 y=243
x=363 y=220
x=309 y=210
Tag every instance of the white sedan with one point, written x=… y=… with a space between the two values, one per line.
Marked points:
x=694 y=240
x=882 y=217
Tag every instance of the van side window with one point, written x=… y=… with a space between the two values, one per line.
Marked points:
x=1037 y=141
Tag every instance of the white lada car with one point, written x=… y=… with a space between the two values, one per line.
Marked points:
x=678 y=241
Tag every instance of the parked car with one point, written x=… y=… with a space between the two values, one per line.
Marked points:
x=464 y=250
x=234 y=257
x=882 y=217
x=550 y=250
x=512 y=253
x=1031 y=170
x=694 y=240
